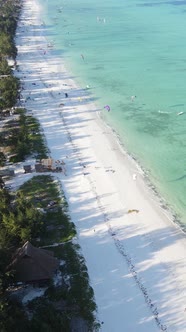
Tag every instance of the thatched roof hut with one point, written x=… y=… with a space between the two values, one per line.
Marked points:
x=33 y=264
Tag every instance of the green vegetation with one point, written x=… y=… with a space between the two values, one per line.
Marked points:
x=19 y=220
x=41 y=191
x=79 y=298
x=10 y=10
x=9 y=85
x=7 y=46
x=29 y=215
x=47 y=318
x=80 y=294
x=4 y=67
x=21 y=137
x=36 y=212
x=9 y=15
x=13 y=317
x=2 y=159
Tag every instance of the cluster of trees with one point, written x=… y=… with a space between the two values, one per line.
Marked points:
x=9 y=85
x=20 y=137
x=10 y=10
x=22 y=142
x=11 y=231
x=9 y=91
x=19 y=221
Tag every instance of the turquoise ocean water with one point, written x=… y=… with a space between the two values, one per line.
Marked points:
x=132 y=47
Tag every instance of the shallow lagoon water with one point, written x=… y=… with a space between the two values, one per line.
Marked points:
x=132 y=48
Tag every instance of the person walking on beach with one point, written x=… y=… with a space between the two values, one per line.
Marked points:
x=66 y=95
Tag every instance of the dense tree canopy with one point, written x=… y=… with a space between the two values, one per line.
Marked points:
x=7 y=46
x=20 y=220
x=9 y=91
x=4 y=67
x=9 y=85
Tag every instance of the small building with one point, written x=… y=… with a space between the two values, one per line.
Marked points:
x=38 y=167
x=6 y=172
x=33 y=264
x=48 y=163
x=27 y=168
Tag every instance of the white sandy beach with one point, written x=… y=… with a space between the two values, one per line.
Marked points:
x=136 y=261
